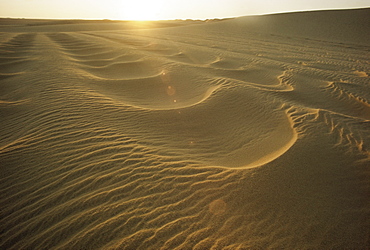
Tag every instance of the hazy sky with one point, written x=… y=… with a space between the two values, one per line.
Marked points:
x=162 y=9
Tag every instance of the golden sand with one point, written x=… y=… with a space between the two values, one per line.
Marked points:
x=246 y=133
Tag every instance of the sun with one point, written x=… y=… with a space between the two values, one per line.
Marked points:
x=142 y=10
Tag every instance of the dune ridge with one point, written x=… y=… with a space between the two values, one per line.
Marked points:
x=194 y=135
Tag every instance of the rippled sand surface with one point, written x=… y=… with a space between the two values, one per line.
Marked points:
x=248 y=133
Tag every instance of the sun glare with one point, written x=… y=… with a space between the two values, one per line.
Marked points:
x=142 y=10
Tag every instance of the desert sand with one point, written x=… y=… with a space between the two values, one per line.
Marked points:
x=245 y=133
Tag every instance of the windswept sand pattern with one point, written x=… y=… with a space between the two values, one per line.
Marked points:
x=13 y=54
x=206 y=136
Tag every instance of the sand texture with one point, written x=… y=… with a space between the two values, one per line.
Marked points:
x=247 y=133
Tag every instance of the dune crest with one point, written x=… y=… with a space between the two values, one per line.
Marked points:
x=154 y=93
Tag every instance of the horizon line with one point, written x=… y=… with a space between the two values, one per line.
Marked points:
x=186 y=19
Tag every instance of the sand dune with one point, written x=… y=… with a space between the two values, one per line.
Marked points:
x=247 y=133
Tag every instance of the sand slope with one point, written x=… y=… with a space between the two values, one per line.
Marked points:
x=234 y=134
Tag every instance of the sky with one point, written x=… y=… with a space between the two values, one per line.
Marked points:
x=162 y=9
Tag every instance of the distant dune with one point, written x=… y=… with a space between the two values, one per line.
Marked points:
x=341 y=26
x=245 y=133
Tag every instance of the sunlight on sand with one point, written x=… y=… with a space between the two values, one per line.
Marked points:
x=245 y=133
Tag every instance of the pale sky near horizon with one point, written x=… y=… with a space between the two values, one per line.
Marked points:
x=162 y=9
